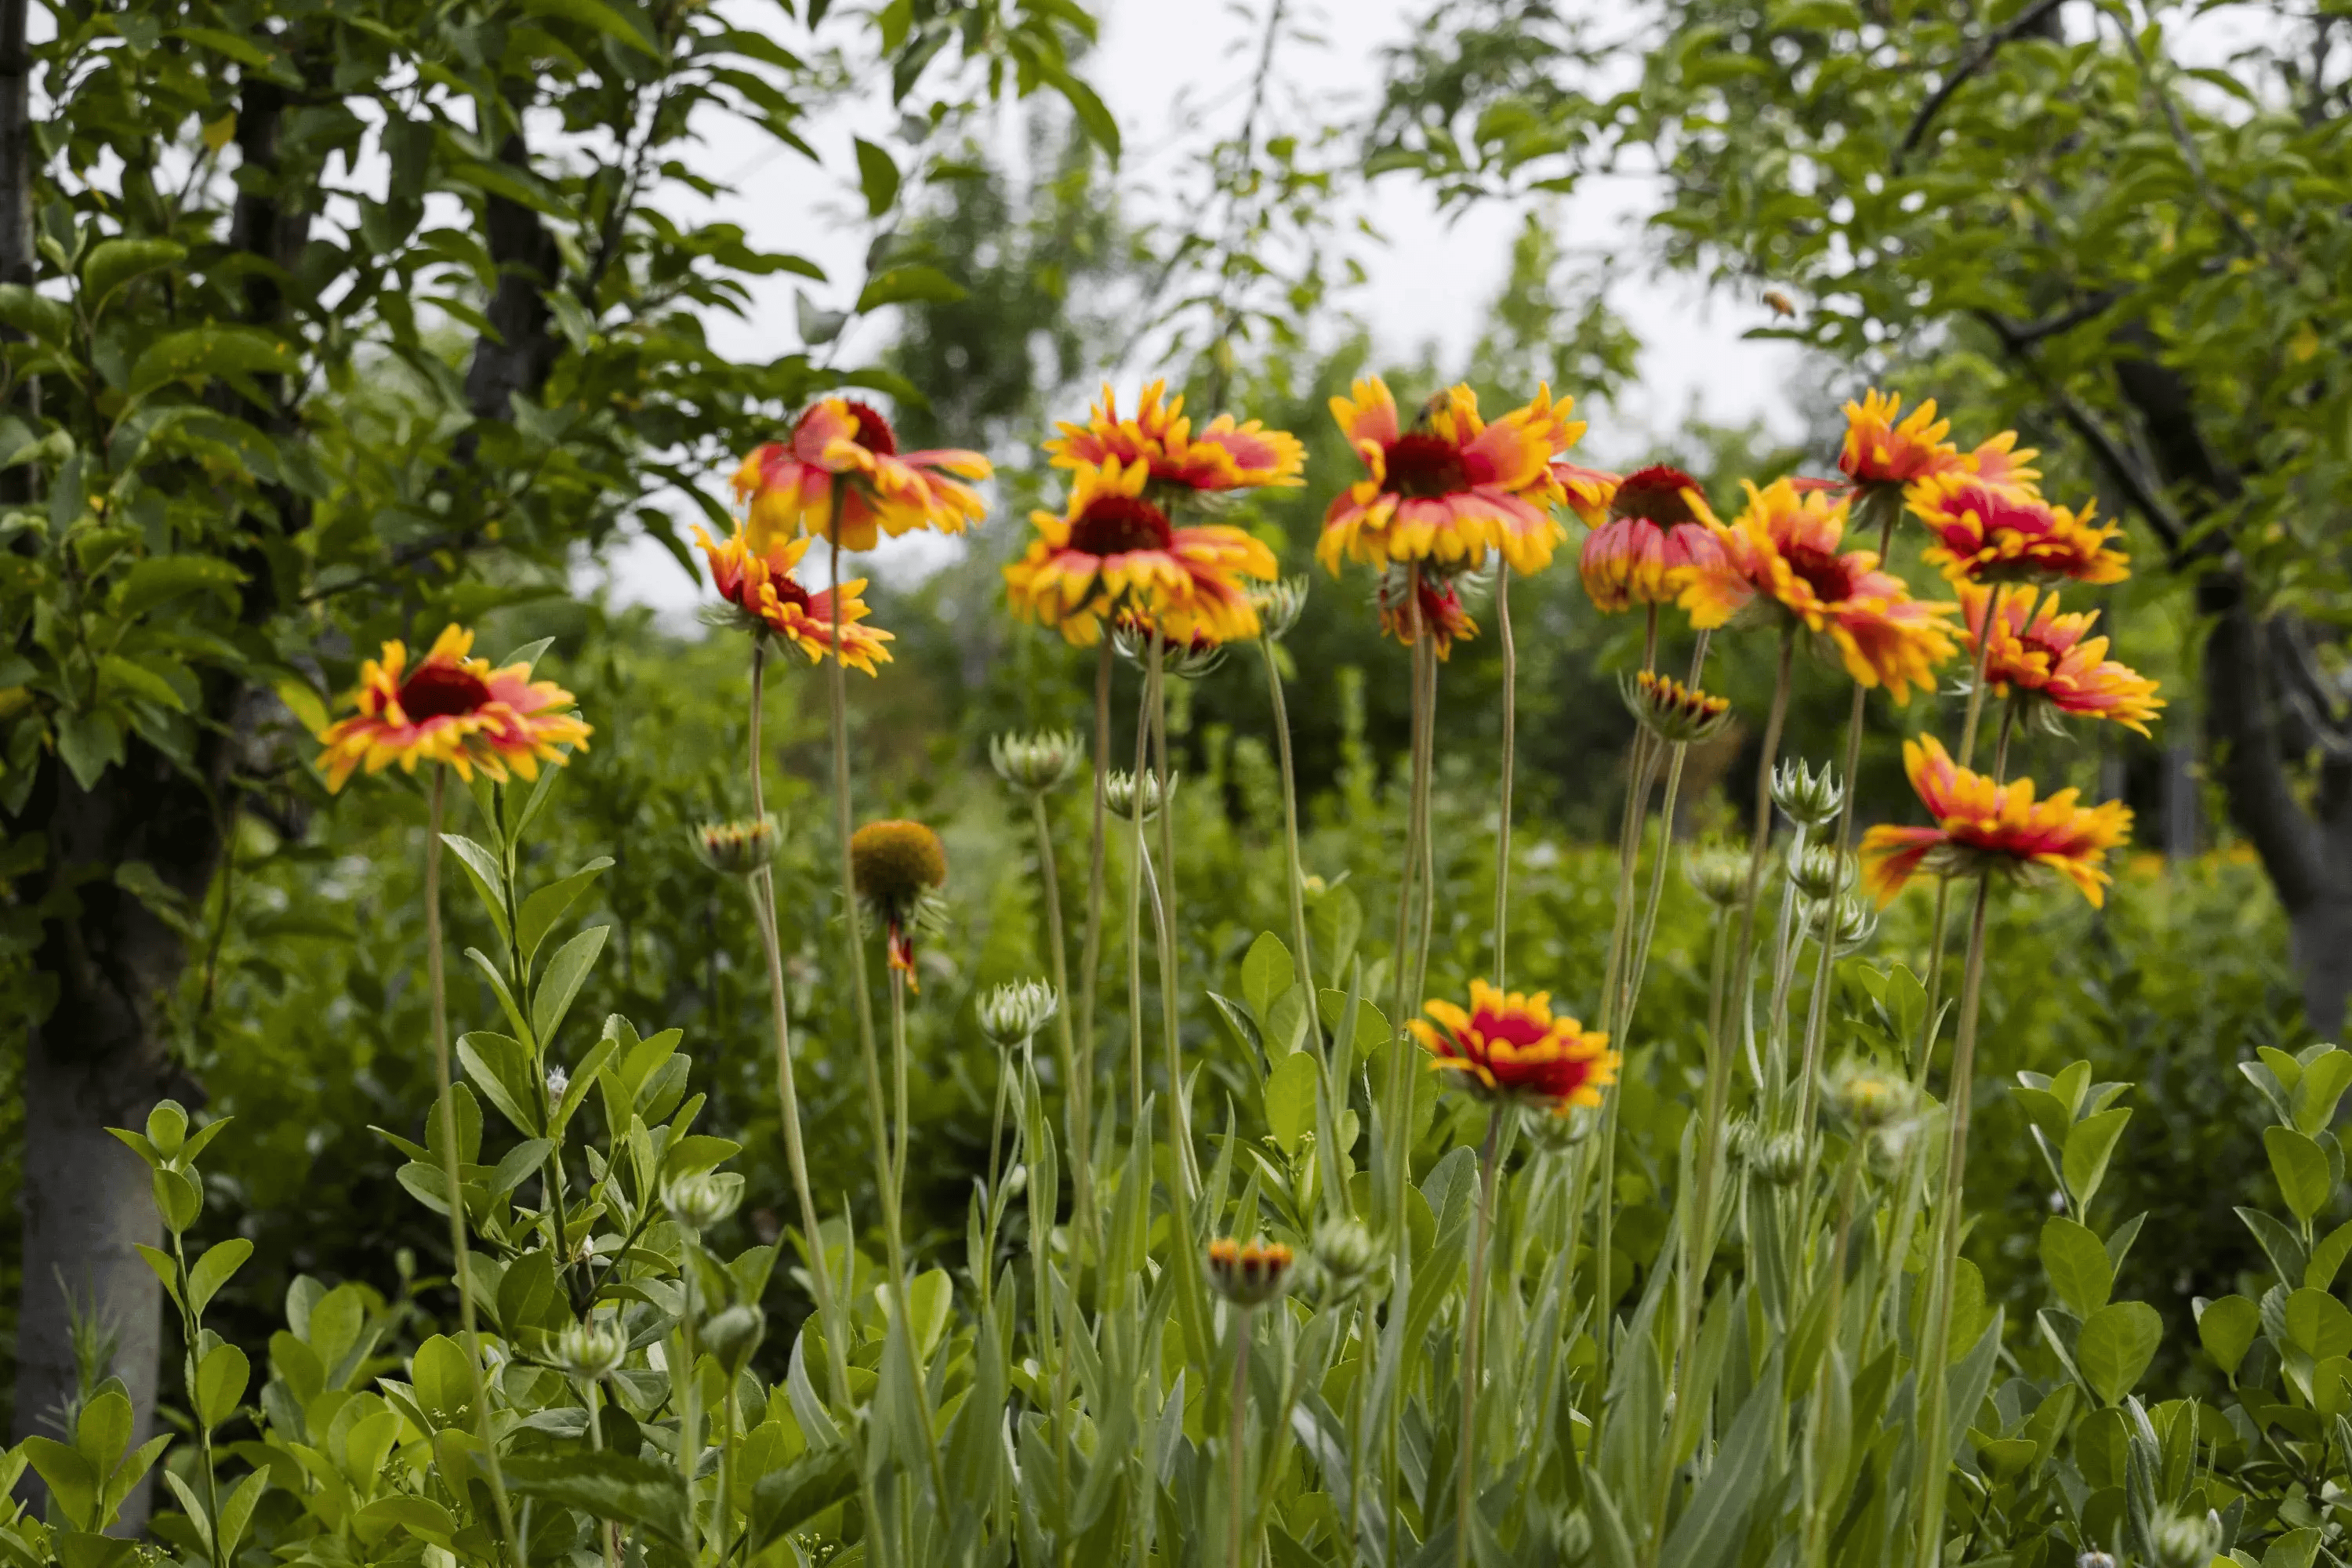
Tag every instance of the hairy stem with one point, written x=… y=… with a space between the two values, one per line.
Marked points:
x=1510 y=746
x=1474 y=1318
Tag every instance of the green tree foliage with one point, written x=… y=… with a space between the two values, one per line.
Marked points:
x=2115 y=226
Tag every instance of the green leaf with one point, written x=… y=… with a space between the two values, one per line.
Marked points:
x=566 y=972
x=1101 y=128
x=72 y=1479
x=599 y=17
x=444 y=1385
x=2115 y=1345
x=2089 y=1144
x=2076 y=1262
x=221 y=1380
x=2284 y=1249
x=111 y=263
x=2317 y=1324
x=1290 y=1099
x=785 y=1500
x=544 y=908
x=221 y=1261
x=911 y=284
x=501 y=1068
x=521 y=1161
x=2226 y=1328
x=2327 y=1258
x=178 y=1199
x=35 y=314
x=1715 y=1522
x=89 y=741
x=877 y=176
x=160 y=579
x=2301 y=1169
x=2314 y=1099
x=199 y=353
x=421 y=1517
x=609 y=1486
x=1266 y=973
x=489 y=881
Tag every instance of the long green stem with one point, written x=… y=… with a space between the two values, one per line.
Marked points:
x=1935 y=1350
x=1076 y=1079
x=1295 y=869
x=1097 y=843
x=1138 y=872
x=437 y=986
x=1818 y=1007
x=1237 y=1438
x=1510 y=747
x=1163 y=906
x=1474 y=1318
x=763 y=899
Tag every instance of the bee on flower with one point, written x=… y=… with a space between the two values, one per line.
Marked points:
x=2052 y=664
x=1510 y=1046
x=1781 y=555
x=1113 y=551
x=1982 y=825
x=841 y=476
x=1225 y=454
x=1990 y=533
x=762 y=593
x=898 y=868
x=451 y=708
x=1445 y=491
x=1659 y=531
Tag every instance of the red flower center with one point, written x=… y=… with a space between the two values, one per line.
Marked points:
x=1829 y=576
x=1655 y=495
x=874 y=432
x=789 y=591
x=1517 y=1027
x=1116 y=525
x=441 y=691
x=1427 y=466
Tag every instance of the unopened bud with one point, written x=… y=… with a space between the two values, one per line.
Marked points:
x=1119 y=793
x=700 y=1201
x=2094 y=1560
x=1187 y=661
x=1822 y=871
x=1345 y=1251
x=738 y=848
x=1038 y=764
x=1805 y=797
x=2184 y=1540
x=732 y=1335
x=1016 y=1010
x=1720 y=873
x=589 y=1351
x=1248 y=1274
x=1857 y=921
x=1779 y=1159
x=1278 y=606
x=1869 y=1096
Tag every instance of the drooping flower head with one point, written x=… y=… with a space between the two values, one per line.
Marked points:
x=1441 y=612
x=1982 y=825
x=452 y=709
x=1783 y=552
x=1882 y=448
x=897 y=867
x=1225 y=456
x=1451 y=488
x=841 y=476
x=1511 y=1046
x=1659 y=531
x=1994 y=533
x=1113 y=551
x=765 y=594
x=2053 y=662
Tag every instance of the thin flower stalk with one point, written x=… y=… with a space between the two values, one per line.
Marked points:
x=1163 y=904
x=1090 y=953
x=763 y=897
x=1473 y=1319
x=1076 y=1077
x=1935 y=1349
x=1510 y=745
x=1293 y=868
x=436 y=986
x=1237 y=1437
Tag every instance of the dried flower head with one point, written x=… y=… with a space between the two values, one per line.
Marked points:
x=1119 y=793
x=897 y=866
x=1016 y=1010
x=1039 y=764
x=1808 y=799
x=1248 y=1274
x=738 y=848
x=1674 y=713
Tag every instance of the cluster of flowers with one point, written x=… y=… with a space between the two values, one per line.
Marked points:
x=1133 y=549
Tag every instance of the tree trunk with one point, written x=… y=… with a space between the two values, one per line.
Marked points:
x=101 y=1060
x=2322 y=940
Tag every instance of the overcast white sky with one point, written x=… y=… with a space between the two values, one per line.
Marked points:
x=1170 y=72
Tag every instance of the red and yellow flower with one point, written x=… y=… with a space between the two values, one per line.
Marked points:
x=841 y=476
x=1450 y=488
x=764 y=590
x=2053 y=662
x=1112 y=551
x=1659 y=532
x=1981 y=825
x=1511 y=1046
x=452 y=709
x=1782 y=551
x=1224 y=455
x=2000 y=462
x=1441 y=615
x=1995 y=533
x=1884 y=446
x=1586 y=491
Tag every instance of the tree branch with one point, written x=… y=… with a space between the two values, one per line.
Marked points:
x=2025 y=21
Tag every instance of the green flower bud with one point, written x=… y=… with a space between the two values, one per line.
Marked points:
x=701 y=1201
x=1038 y=764
x=1119 y=793
x=738 y=848
x=1720 y=873
x=732 y=1335
x=1278 y=606
x=589 y=1350
x=1016 y=1010
x=1805 y=797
